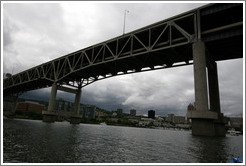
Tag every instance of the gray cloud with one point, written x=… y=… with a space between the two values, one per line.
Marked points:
x=231 y=86
x=34 y=33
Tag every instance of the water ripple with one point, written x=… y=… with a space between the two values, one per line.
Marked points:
x=27 y=141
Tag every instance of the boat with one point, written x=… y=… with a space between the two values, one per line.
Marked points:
x=237 y=160
x=103 y=124
x=233 y=132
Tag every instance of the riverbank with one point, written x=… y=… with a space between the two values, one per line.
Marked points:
x=177 y=128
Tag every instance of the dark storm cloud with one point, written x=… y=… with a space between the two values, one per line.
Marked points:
x=159 y=90
x=34 y=33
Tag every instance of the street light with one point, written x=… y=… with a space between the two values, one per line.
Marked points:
x=126 y=11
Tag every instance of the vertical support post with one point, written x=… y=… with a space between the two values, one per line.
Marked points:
x=202 y=118
x=52 y=100
x=50 y=115
x=200 y=77
x=77 y=101
x=214 y=96
x=198 y=17
x=76 y=118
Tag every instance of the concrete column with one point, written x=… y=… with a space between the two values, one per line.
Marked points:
x=77 y=102
x=203 y=127
x=202 y=118
x=52 y=100
x=50 y=115
x=200 y=77
x=214 y=96
x=76 y=118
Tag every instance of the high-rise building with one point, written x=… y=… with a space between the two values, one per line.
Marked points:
x=119 y=112
x=151 y=114
x=132 y=112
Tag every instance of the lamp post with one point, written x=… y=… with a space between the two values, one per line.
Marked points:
x=126 y=11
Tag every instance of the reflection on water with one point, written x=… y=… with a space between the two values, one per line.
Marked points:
x=37 y=142
x=212 y=150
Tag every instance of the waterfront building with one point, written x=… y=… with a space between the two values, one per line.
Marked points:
x=88 y=111
x=145 y=122
x=160 y=119
x=30 y=106
x=158 y=123
x=151 y=114
x=63 y=105
x=235 y=122
x=119 y=112
x=164 y=118
x=170 y=117
x=132 y=112
x=134 y=120
x=114 y=120
x=191 y=107
x=101 y=114
x=178 y=119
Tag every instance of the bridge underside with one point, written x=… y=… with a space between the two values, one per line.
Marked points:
x=173 y=57
x=217 y=29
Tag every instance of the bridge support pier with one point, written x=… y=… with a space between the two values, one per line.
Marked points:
x=205 y=122
x=203 y=127
x=76 y=118
x=9 y=105
x=214 y=97
x=50 y=115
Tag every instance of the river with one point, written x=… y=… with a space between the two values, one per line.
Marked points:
x=33 y=141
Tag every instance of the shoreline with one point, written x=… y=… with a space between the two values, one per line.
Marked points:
x=111 y=124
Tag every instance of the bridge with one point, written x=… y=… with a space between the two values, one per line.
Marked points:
x=199 y=37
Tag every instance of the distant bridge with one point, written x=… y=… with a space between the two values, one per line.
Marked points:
x=201 y=37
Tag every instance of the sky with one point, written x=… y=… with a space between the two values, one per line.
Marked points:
x=34 y=33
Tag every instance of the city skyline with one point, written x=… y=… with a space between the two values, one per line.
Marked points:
x=31 y=38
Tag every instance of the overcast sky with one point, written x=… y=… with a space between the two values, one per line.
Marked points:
x=34 y=33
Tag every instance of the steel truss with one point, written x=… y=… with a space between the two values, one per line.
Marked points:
x=125 y=54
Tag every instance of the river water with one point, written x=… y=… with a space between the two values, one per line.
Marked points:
x=32 y=141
